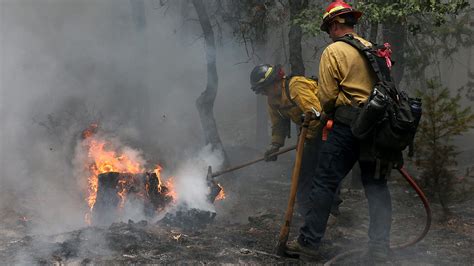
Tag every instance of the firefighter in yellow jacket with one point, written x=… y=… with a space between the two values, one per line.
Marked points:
x=288 y=99
x=346 y=80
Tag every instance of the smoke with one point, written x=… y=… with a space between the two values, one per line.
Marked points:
x=66 y=64
x=191 y=184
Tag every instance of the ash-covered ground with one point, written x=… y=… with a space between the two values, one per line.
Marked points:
x=245 y=229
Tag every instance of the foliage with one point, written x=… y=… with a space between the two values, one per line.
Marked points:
x=251 y=20
x=414 y=14
x=402 y=10
x=443 y=118
x=432 y=43
x=437 y=30
x=310 y=19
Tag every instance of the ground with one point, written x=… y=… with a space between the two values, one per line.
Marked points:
x=246 y=229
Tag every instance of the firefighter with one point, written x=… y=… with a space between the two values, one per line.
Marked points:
x=288 y=99
x=346 y=81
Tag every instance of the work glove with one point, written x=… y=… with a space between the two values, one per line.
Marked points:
x=274 y=147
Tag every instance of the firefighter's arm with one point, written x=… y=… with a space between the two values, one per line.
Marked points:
x=328 y=80
x=304 y=97
x=280 y=127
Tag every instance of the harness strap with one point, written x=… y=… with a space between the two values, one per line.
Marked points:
x=366 y=51
x=287 y=90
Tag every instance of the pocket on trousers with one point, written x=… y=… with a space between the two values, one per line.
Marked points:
x=328 y=156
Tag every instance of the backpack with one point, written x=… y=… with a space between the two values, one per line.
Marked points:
x=389 y=118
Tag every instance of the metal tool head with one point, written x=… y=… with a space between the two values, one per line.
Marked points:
x=214 y=188
x=209 y=176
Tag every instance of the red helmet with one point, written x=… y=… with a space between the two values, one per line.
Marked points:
x=337 y=8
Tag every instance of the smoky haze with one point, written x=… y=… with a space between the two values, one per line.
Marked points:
x=68 y=63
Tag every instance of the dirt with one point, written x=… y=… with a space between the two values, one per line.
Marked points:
x=245 y=229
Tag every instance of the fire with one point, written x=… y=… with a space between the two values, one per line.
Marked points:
x=103 y=161
x=171 y=190
x=102 y=158
x=122 y=187
x=221 y=195
x=168 y=184
x=157 y=171
x=90 y=131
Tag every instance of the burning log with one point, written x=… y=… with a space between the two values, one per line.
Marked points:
x=115 y=189
x=157 y=194
x=107 y=199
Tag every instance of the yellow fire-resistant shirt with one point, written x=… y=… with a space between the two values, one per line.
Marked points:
x=281 y=109
x=342 y=67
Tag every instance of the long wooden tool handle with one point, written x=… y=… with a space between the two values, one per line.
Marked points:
x=285 y=229
x=218 y=173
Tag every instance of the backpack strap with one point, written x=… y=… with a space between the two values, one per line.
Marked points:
x=287 y=90
x=367 y=52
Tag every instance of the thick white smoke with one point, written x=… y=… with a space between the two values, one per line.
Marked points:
x=68 y=63
x=191 y=184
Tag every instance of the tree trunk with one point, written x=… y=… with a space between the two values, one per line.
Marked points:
x=295 y=35
x=374 y=30
x=205 y=102
x=260 y=26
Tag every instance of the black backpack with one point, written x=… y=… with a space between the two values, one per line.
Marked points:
x=389 y=118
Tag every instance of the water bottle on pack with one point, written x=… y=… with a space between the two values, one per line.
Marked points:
x=416 y=109
x=370 y=114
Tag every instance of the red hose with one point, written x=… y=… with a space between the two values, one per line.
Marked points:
x=426 y=204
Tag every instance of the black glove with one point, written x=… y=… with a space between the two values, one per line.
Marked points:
x=274 y=147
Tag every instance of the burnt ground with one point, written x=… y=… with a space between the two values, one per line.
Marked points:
x=245 y=230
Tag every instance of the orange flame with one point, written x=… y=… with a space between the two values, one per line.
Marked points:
x=169 y=184
x=90 y=131
x=171 y=190
x=221 y=195
x=102 y=159
x=157 y=171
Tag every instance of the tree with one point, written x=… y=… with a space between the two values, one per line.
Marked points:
x=205 y=102
x=295 y=36
x=443 y=118
x=412 y=27
x=251 y=21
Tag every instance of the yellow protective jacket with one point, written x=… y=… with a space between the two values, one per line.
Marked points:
x=345 y=76
x=303 y=93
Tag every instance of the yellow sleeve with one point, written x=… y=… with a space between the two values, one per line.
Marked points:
x=329 y=76
x=304 y=96
x=280 y=126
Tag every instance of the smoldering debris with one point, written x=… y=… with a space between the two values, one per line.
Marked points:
x=252 y=242
x=142 y=242
x=188 y=219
